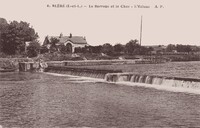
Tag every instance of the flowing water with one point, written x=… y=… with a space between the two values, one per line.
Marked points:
x=45 y=100
x=172 y=69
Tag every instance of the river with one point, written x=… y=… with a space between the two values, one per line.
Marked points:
x=45 y=100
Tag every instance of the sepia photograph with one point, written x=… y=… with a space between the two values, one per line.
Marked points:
x=99 y=64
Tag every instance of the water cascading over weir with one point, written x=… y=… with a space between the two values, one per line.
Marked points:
x=118 y=76
x=154 y=80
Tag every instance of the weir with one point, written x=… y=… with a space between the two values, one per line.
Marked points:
x=154 y=80
x=118 y=76
x=94 y=73
x=106 y=62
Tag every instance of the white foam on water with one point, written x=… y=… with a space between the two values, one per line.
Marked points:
x=160 y=87
x=77 y=79
x=165 y=86
x=56 y=74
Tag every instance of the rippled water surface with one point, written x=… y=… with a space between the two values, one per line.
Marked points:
x=38 y=100
x=178 y=69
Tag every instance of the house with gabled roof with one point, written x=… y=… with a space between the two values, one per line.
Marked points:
x=71 y=42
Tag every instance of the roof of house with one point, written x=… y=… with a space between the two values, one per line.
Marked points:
x=73 y=39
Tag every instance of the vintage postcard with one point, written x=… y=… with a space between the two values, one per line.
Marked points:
x=99 y=64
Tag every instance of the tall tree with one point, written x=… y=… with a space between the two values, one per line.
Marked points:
x=107 y=49
x=118 y=48
x=53 y=42
x=3 y=25
x=33 y=49
x=132 y=47
x=170 y=47
x=15 y=36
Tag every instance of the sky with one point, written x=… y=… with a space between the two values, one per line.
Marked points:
x=176 y=22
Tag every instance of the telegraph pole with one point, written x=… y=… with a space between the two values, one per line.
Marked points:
x=141 y=32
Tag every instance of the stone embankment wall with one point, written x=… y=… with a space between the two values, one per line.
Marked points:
x=12 y=62
x=94 y=73
x=97 y=62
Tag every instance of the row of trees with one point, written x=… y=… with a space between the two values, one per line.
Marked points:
x=132 y=47
x=13 y=38
x=14 y=35
x=182 y=48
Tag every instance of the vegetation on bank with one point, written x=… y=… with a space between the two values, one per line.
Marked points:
x=12 y=63
x=178 y=58
x=19 y=40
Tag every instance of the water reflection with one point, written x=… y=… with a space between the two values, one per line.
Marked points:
x=18 y=76
x=33 y=100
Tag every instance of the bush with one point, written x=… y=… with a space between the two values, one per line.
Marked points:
x=56 y=56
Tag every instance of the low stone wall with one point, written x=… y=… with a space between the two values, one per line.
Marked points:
x=94 y=73
x=55 y=63
x=93 y=62
x=12 y=62
x=101 y=62
x=89 y=62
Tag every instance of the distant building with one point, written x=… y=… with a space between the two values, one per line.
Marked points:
x=71 y=42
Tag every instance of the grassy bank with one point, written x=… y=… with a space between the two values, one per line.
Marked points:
x=187 y=57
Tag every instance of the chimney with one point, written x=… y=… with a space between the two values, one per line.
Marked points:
x=61 y=35
x=70 y=35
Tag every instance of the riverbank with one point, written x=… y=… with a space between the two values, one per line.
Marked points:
x=12 y=63
x=102 y=57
